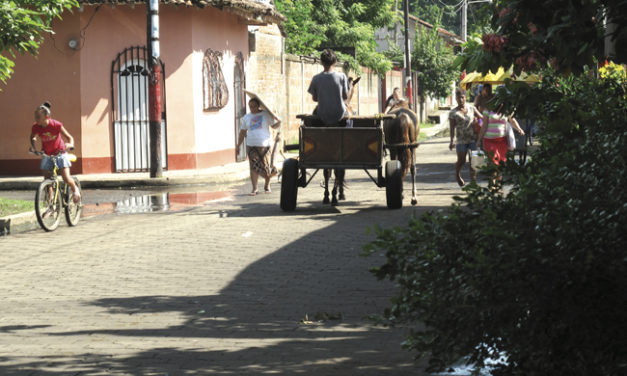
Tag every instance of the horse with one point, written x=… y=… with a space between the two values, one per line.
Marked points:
x=339 y=173
x=404 y=129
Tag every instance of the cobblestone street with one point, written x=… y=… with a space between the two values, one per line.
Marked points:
x=219 y=289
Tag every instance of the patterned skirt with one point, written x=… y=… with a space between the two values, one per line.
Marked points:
x=259 y=159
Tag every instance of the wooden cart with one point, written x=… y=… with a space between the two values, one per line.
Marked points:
x=359 y=147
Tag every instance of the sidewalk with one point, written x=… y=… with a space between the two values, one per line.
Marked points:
x=227 y=174
x=230 y=173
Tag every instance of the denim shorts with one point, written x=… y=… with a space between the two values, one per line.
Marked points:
x=464 y=148
x=62 y=159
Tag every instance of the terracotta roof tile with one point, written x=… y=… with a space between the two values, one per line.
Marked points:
x=254 y=11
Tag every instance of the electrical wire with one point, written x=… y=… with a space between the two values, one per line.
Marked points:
x=84 y=29
x=450 y=5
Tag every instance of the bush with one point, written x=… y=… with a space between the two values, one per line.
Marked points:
x=540 y=274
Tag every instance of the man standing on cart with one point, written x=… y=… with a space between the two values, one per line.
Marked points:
x=330 y=89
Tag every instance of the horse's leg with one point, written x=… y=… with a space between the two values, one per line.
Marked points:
x=327 y=176
x=341 y=174
x=414 y=199
x=334 y=192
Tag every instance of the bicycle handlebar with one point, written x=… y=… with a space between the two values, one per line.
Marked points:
x=42 y=154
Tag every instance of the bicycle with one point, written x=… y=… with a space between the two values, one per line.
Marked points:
x=52 y=195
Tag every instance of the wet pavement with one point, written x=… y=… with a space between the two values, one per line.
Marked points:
x=132 y=201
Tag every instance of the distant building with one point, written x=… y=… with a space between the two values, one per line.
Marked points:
x=385 y=35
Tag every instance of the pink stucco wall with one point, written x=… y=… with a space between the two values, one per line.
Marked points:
x=78 y=83
x=53 y=75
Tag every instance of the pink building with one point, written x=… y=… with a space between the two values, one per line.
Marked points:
x=93 y=71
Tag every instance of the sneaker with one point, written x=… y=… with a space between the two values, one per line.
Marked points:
x=48 y=212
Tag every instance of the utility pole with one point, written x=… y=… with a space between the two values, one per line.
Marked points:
x=396 y=24
x=407 y=55
x=464 y=20
x=154 y=88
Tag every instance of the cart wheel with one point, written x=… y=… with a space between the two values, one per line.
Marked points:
x=394 y=184
x=289 y=184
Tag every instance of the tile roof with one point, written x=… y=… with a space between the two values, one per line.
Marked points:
x=253 y=11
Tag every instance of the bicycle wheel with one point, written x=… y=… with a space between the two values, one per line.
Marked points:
x=47 y=206
x=72 y=209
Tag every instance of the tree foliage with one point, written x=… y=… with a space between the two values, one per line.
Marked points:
x=538 y=275
x=315 y=24
x=433 y=60
x=479 y=14
x=569 y=37
x=22 y=24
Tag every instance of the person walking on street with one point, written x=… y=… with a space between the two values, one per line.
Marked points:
x=463 y=136
x=255 y=129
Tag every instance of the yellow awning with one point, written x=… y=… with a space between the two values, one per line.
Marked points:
x=496 y=78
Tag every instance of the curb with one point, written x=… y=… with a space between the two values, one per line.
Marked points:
x=17 y=223
x=112 y=183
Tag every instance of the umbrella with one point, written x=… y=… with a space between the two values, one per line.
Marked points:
x=496 y=78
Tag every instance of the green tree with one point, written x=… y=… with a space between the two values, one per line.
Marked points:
x=304 y=35
x=22 y=24
x=315 y=24
x=568 y=38
x=433 y=60
x=479 y=14
x=536 y=275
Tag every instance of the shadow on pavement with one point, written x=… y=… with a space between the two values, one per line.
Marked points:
x=257 y=319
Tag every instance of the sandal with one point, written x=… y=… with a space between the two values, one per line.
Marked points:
x=267 y=190
x=253 y=193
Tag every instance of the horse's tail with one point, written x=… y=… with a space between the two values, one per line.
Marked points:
x=404 y=155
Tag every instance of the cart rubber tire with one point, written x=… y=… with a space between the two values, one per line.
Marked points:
x=394 y=184
x=289 y=184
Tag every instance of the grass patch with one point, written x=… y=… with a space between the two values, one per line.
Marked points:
x=426 y=125
x=8 y=207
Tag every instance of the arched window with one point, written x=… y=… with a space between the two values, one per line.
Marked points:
x=215 y=91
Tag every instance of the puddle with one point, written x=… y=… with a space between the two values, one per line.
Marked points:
x=155 y=202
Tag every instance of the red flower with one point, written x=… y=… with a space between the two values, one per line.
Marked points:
x=504 y=12
x=493 y=43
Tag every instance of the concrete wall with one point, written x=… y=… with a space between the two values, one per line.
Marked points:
x=215 y=130
x=78 y=84
x=282 y=81
x=53 y=75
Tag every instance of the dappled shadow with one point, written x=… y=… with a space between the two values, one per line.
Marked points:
x=301 y=309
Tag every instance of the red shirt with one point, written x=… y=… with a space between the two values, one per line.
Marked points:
x=50 y=136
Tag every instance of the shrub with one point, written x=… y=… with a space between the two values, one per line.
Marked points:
x=540 y=274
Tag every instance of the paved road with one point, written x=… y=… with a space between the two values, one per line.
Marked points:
x=219 y=289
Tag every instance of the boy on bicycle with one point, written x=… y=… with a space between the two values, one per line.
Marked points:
x=49 y=131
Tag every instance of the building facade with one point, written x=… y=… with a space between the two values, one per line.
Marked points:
x=93 y=71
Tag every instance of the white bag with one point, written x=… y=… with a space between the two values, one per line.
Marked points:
x=477 y=159
x=511 y=137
